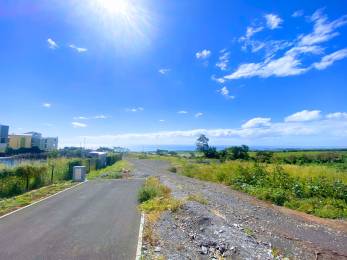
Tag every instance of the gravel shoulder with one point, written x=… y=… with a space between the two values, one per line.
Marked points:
x=235 y=225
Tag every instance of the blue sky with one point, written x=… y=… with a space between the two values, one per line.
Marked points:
x=124 y=72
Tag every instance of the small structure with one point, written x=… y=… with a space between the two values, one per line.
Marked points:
x=79 y=173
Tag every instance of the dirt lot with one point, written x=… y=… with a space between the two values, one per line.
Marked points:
x=230 y=224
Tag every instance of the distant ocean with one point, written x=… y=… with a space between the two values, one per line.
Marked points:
x=150 y=148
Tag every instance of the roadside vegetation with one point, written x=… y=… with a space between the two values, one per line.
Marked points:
x=29 y=182
x=114 y=171
x=154 y=199
x=314 y=182
x=30 y=176
x=16 y=202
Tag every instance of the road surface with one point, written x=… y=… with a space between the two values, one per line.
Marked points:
x=96 y=220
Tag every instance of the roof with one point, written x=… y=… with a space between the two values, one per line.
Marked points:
x=98 y=153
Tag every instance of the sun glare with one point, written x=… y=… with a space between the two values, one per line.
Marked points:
x=115 y=7
x=126 y=23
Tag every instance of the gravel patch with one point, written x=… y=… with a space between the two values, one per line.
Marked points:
x=235 y=225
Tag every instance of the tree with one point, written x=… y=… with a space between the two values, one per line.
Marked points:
x=237 y=152
x=161 y=152
x=53 y=154
x=263 y=156
x=202 y=143
x=211 y=152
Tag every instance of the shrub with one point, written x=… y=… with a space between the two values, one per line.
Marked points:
x=264 y=157
x=147 y=193
x=173 y=169
x=152 y=188
x=156 y=197
x=112 y=158
x=161 y=204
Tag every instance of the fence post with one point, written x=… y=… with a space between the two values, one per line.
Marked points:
x=52 y=174
x=27 y=180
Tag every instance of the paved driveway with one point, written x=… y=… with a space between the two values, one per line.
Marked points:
x=96 y=220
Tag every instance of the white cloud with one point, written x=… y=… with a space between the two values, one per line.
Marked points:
x=199 y=114
x=248 y=43
x=52 y=44
x=311 y=133
x=78 y=125
x=78 y=49
x=164 y=71
x=135 y=109
x=46 y=105
x=204 y=54
x=182 y=112
x=337 y=115
x=273 y=21
x=225 y=92
x=329 y=59
x=298 y=13
x=286 y=65
x=291 y=62
x=257 y=122
x=219 y=80
x=323 y=30
x=253 y=30
x=223 y=60
x=80 y=118
x=161 y=120
x=101 y=117
x=303 y=116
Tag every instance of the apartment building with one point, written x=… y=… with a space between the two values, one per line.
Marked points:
x=35 y=139
x=31 y=140
x=49 y=143
x=3 y=138
x=17 y=141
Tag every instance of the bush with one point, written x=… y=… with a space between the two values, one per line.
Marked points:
x=263 y=157
x=156 y=197
x=152 y=188
x=173 y=169
x=147 y=193
x=112 y=158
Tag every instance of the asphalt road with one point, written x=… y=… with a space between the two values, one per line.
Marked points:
x=96 y=220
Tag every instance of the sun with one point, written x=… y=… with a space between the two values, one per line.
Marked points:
x=115 y=7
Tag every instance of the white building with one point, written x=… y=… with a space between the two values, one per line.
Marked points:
x=49 y=143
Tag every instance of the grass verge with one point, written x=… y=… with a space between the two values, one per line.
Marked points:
x=11 y=204
x=155 y=198
x=114 y=171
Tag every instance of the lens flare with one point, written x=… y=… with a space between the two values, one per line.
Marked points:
x=115 y=7
x=125 y=21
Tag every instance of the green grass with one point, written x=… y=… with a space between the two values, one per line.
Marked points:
x=111 y=172
x=197 y=198
x=319 y=190
x=156 y=197
x=11 y=204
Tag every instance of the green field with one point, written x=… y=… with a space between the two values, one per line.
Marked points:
x=318 y=188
